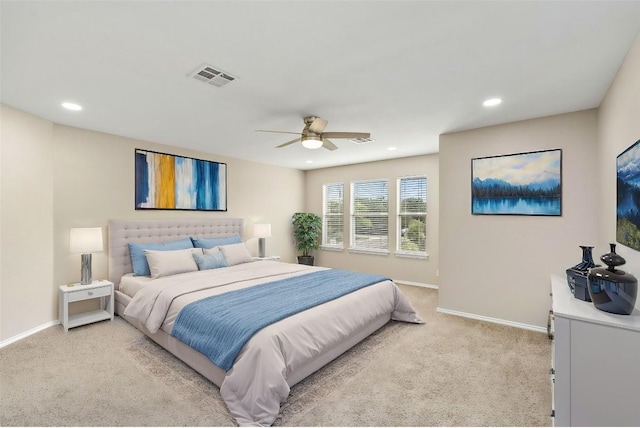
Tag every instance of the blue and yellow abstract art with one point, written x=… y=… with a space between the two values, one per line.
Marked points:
x=168 y=182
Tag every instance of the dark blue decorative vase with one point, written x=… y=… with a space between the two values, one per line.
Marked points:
x=612 y=290
x=577 y=275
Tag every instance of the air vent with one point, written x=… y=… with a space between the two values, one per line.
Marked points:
x=212 y=75
x=361 y=140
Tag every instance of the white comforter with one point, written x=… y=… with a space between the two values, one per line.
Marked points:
x=257 y=383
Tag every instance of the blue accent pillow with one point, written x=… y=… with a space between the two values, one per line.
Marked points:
x=139 y=260
x=210 y=261
x=215 y=242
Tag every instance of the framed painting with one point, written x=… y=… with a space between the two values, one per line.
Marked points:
x=169 y=182
x=517 y=184
x=628 y=197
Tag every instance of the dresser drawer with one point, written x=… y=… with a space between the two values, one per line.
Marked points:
x=91 y=293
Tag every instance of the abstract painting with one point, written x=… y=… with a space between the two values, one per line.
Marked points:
x=169 y=182
x=628 y=199
x=518 y=184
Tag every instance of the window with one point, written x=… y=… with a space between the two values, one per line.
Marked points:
x=412 y=215
x=370 y=215
x=332 y=215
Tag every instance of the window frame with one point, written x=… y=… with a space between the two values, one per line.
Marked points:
x=325 y=244
x=400 y=214
x=352 y=218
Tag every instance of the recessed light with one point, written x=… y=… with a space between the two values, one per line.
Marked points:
x=309 y=161
x=72 y=106
x=391 y=148
x=492 y=102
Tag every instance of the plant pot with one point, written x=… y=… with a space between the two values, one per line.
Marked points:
x=305 y=260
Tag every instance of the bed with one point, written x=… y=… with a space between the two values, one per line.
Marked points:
x=278 y=355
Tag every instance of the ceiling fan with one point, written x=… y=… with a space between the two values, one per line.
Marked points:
x=313 y=137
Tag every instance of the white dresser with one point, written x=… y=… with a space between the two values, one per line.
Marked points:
x=596 y=362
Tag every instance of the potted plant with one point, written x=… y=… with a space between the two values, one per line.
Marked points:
x=306 y=229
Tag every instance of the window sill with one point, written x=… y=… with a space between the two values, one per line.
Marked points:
x=366 y=251
x=404 y=254
x=331 y=248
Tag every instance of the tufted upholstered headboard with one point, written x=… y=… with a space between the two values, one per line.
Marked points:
x=121 y=232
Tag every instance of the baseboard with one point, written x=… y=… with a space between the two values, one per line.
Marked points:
x=493 y=320
x=27 y=333
x=415 y=284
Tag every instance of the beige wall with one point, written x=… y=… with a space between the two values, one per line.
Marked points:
x=27 y=297
x=94 y=183
x=499 y=266
x=398 y=268
x=84 y=178
x=618 y=128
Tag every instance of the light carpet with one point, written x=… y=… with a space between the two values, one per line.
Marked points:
x=449 y=372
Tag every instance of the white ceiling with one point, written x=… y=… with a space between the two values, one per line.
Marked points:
x=404 y=71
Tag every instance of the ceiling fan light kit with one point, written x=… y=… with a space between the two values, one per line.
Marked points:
x=312 y=143
x=314 y=137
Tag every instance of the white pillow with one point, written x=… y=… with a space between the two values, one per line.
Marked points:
x=235 y=253
x=213 y=250
x=165 y=263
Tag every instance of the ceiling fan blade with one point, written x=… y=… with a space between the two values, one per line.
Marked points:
x=346 y=135
x=318 y=125
x=279 y=132
x=295 y=140
x=328 y=145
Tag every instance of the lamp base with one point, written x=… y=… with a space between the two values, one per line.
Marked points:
x=261 y=247
x=85 y=269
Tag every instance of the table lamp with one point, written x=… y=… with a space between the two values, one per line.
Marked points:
x=85 y=240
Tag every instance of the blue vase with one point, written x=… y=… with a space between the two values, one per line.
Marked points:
x=577 y=275
x=612 y=290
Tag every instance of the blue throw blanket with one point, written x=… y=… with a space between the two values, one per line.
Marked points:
x=220 y=326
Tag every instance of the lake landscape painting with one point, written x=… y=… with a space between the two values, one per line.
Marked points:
x=628 y=197
x=517 y=184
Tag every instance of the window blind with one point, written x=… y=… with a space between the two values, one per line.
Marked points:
x=333 y=215
x=412 y=214
x=370 y=215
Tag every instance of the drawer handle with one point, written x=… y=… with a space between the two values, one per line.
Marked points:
x=90 y=293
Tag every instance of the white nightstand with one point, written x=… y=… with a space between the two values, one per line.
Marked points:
x=265 y=258
x=78 y=292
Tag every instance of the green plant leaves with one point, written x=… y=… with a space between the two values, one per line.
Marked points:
x=306 y=229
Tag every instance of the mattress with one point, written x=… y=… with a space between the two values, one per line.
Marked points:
x=131 y=284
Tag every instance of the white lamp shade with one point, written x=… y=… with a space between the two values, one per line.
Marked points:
x=262 y=230
x=312 y=143
x=85 y=240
